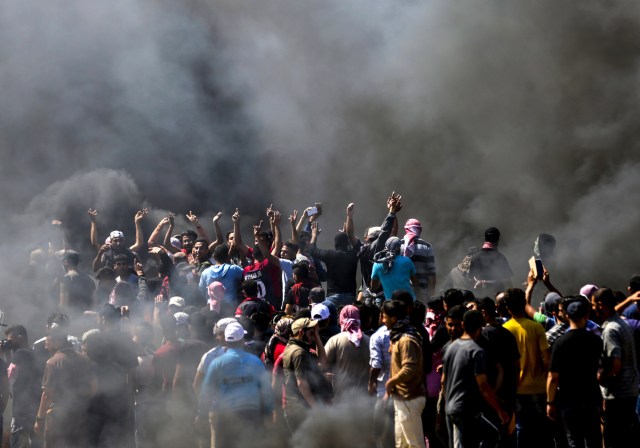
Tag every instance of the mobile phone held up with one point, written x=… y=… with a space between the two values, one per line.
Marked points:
x=312 y=211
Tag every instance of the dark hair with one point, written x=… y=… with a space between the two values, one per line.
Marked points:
x=106 y=272
x=109 y=313
x=301 y=271
x=202 y=240
x=291 y=245
x=341 y=241
x=394 y=308
x=418 y=312
x=250 y=288
x=492 y=235
x=403 y=296
x=221 y=253
x=453 y=297
x=472 y=321
x=456 y=312
x=16 y=330
x=120 y=257
x=487 y=305
x=190 y=233
x=515 y=300
x=59 y=319
x=606 y=297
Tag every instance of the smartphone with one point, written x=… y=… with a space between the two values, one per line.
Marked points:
x=536 y=265
x=312 y=211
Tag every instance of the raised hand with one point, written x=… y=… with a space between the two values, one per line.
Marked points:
x=193 y=219
x=236 y=216
x=140 y=214
x=256 y=229
x=315 y=229
x=217 y=217
x=293 y=217
x=56 y=222
x=172 y=218
x=93 y=214
x=350 y=208
x=275 y=218
x=270 y=211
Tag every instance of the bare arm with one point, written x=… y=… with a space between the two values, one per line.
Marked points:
x=193 y=219
x=546 y=279
x=237 y=235
x=315 y=231
x=139 y=236
x=156 y=232
x=322 y=354
x=294 y=229
x=219 y=236
x=277 y=236
x=166 y=243
x=97 y=262
x=552 y=386
x=93 y=214
x=635 y=297
x=349 y=226
x=303 y=219
x=264 y=248
x=528 y=293
x=305 y=390
x=490 y=397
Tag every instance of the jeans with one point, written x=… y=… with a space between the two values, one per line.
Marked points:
x=341 y=299
x=582 y=426
x=620 y=422
x=472 y=431
x=532 y=427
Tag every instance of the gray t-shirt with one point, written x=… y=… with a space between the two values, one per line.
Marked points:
x=463 y=361
x=617 y=337
x=350 y=364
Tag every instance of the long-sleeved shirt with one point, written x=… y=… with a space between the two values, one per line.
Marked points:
x=407 y=368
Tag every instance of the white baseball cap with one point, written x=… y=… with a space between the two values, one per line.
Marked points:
x=234 y=332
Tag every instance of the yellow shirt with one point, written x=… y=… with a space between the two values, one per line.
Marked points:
x=532 y=342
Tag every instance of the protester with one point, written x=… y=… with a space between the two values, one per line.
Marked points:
x=489 y=268
x=394 y=271
x=421 y=254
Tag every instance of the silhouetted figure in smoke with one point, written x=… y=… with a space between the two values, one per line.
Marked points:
x=489 y=268
x=76 y=288
x=111 y=416
x=26 y=387
x=67 y=386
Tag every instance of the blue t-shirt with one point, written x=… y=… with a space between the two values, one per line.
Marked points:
x=397 y=278
x=236 y=381
x=229 y=275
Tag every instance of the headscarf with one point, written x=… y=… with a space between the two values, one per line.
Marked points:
x=215 y=292
x=350 y=324
x=281 y=334
x=390 y=252
x=412 y=229
x=116 y=234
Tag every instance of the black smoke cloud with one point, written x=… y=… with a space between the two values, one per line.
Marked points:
x=498 y=113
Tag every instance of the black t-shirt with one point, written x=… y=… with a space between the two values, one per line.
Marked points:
x=501 y=348
x=342 y=267
x=575 y=357
x=489 y=264
x=79 y=288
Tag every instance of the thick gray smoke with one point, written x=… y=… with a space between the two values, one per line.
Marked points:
x=498 y=113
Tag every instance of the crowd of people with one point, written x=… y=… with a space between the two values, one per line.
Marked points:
x=182 y=340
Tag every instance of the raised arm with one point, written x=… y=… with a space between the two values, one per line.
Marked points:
x=193 y=219
x=219 y=236
x=63 y=238
x=294 y=229
x=93 y=215
x=315 y=232
x=528 y=293
x=237 y=235
x=156 y=232
x=97 y=262
x=635 y=297
x=277 y=236
x=546 y=279
x=303 y=219
x=137 y=219
x=263 y=245
x=349 y=226
x=166 y=242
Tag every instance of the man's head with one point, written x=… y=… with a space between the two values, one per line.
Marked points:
x=577 y=313
x=249 y=288
x=321 y=313
x=501 y=306
x=392 y=312
x=300 y=272
x=304 y=329
x=56 y=339
x=341 y=241
x=143 y=333
x=17 y=337
x=221 y=254
x=603 y=302
x=70 y=259
x=452 y=297
x=487 y=307
x=116 y=240
x=220 y=327
x=472 y=322
x=176 y=303
x=317 y=295
x=515 y=301
x=289 y=250
x=405 y=297
x=453 y=321
x=188 y=238
x=108 y=317
x=372 y=234
x=551 y=301
x=200 y=250
x=234 y=335
x=121 y=266
x=492 y=235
